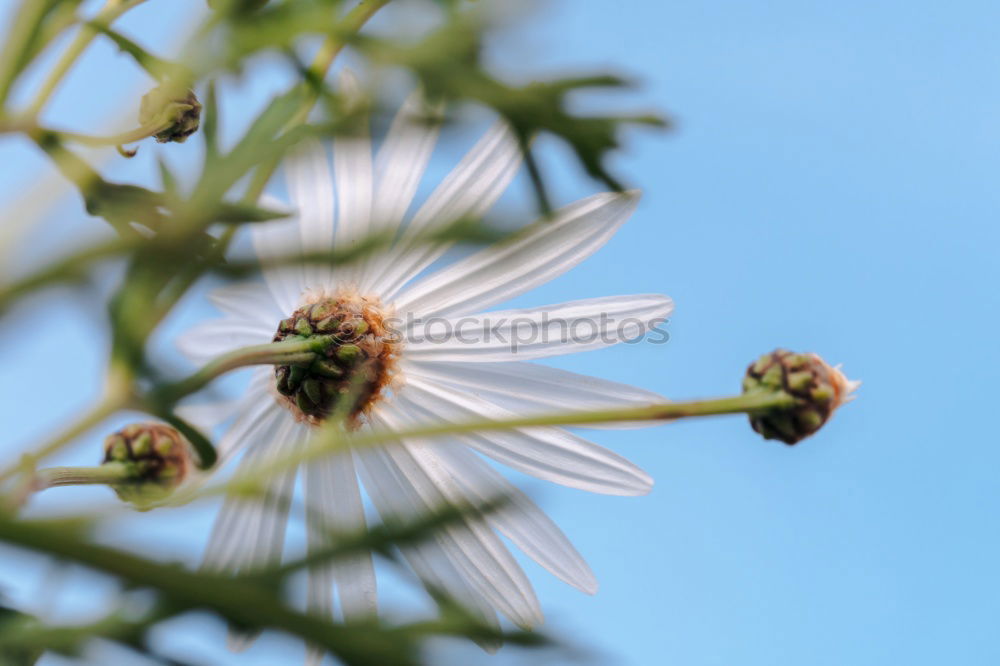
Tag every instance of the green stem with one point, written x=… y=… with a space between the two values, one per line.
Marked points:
x=670 y=411
x=332 y=439
x=109 y=473
x=113 y=401
x=739 y=404
x=275 y=353
x=242 y=601
x=111 y=11
x=162 y=400
x=138 y=134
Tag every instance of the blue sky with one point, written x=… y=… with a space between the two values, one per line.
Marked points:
x=830 y=187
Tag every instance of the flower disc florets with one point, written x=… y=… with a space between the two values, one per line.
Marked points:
x=817 y=387
x=158 y=457
x=357 y=365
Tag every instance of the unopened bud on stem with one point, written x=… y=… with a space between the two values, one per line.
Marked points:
x=177 y=110
x=157 y=457
x=818 y=389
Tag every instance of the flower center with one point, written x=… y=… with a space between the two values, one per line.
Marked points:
x=354 y=371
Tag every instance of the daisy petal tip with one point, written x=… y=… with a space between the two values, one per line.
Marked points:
x=588 y=585
x=643 y=485
x=668 y=305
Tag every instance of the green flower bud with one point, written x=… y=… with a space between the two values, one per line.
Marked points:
x=158 y=459
x=818 y=389
x=162 y=104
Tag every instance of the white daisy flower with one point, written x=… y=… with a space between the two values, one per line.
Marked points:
x=411 y=373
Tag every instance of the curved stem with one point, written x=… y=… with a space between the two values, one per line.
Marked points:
x=138 y=134
x=274 y=353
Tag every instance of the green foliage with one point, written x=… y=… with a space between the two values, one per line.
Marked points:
x=448 y=64
x=171 y=238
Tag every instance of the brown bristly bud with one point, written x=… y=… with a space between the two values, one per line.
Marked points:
x=818 y=389
x=352 y=370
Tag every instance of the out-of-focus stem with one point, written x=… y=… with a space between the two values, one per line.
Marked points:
x=111 y=11
x=328 y=52
x=63 y=269
x=113 y=401
x=138 y=134
x=243 y=601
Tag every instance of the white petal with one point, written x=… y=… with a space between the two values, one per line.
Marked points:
x=469 y=190
x=399 y=166
x=472 y=546
x=542 y=252
x=280 y=238
x=248 y=300
x=319 y=596
x=549 y=330
x=310 y=185
x=254 y=409
x=402 y=160
x=249 y=533
x=207 y=416
x=352 y=168
x=463 y=477
x=209 y=339
x=552 y=454
x=334 y=504
x=427 y=558
x=529 y=388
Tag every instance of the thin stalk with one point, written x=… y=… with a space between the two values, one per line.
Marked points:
x=112 y=10
x=138 y=134
x=332 y=438
x=111 y=403
x=52 y=477
x=275 y=353
x=739 y=404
